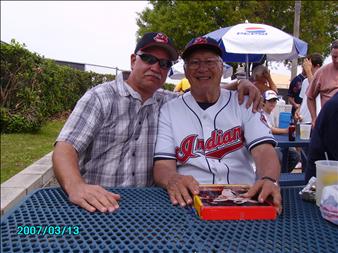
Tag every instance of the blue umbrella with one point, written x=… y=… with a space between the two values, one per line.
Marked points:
x=249 y=42
x=232 y=57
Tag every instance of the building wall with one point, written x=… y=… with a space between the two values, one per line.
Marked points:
x=284 y=93
x=74 y=65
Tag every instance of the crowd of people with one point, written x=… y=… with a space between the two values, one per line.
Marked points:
x=129 y=132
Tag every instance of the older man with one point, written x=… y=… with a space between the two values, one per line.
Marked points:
x=109 y=138
x=212 y=139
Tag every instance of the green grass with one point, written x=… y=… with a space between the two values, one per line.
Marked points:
x=20 y=150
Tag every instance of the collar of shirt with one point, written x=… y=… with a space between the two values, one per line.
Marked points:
x=125 y=90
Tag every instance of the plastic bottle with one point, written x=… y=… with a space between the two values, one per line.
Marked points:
x=292 y=130
x=280 y=101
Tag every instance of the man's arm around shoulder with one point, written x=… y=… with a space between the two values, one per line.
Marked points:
x=245 y=87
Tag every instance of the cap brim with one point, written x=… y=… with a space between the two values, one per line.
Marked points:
x=195 y=47
x=272 y=98
x=172 y=51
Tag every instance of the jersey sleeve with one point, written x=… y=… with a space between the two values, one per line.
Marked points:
x=256 y=128
x=165 y=143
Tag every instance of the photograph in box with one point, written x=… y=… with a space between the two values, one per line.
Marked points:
x=225 y=202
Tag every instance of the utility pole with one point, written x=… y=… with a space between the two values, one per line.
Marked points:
x=296 y=34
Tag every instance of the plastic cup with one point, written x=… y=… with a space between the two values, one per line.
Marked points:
x=327 y=174
x=298 y=129
x=304 y=131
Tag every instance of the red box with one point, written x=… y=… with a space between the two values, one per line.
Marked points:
x=223 y=202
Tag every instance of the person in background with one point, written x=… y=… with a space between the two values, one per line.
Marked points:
x=212 y=139
x=324 y=137
x=324 y=84
x=182 y=86
x=109 y=138
x=262 y=79
x=269 y=103
x=294 y=90
x=310 y=65
x=240 y=73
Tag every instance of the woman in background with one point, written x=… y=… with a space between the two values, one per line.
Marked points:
x=262 y=79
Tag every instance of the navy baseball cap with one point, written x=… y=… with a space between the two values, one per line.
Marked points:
x=201 y=43
x=155 y=39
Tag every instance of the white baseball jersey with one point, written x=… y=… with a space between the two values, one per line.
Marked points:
x=213 y=144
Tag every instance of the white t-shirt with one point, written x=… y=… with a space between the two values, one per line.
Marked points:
x=304 y=110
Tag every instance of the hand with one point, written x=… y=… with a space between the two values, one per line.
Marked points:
x=245 y=87
x=307 y=66
x=266 y=188
x=93 y=197
x=181 y=188
x=298 y=116
x=313 y=123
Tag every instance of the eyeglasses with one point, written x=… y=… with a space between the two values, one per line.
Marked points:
x=150 y=59
x=195 y=64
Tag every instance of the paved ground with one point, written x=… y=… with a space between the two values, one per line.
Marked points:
x=52 y=183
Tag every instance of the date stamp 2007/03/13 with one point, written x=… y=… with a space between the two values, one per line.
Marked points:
x=48 y=230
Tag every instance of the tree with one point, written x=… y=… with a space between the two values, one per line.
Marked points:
x=184 y=20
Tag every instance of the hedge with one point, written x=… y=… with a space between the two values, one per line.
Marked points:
x=34 y=88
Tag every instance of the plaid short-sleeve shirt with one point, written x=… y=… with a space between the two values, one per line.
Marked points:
x=114 y=134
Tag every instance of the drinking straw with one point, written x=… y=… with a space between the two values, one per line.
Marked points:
x=327 y=158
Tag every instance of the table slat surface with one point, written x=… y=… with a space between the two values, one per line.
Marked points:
x=147 y=222
x=283 y=141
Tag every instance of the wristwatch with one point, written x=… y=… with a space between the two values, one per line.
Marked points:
x=270 y=179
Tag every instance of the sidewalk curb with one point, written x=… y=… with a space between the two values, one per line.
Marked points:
x=35 y=176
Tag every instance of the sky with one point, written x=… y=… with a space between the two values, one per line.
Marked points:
x=91 y=32
x=100 y=32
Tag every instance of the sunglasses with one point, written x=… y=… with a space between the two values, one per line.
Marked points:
x=150 y=59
